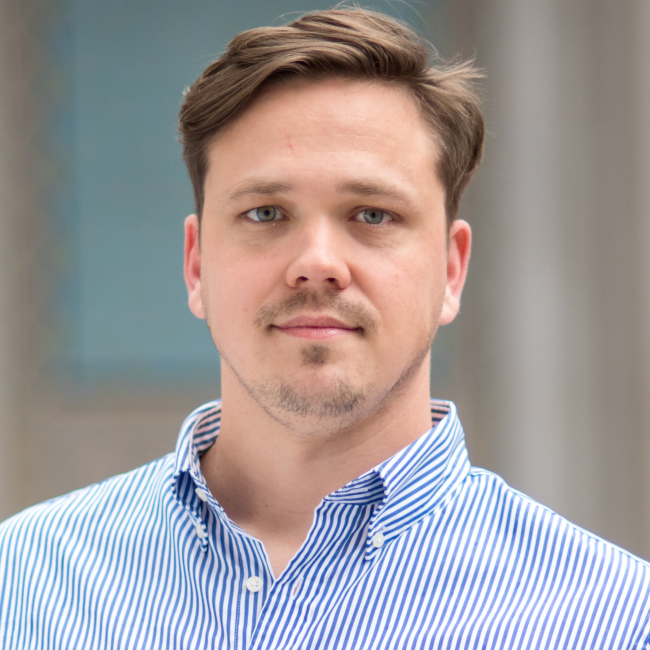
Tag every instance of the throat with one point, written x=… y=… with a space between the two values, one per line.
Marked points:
x=282 y=546
x=267 y=498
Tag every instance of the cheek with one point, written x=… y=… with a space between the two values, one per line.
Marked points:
x=414 y=287
x=412 y=308
x=238 y=286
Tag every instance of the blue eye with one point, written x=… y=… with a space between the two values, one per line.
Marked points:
x=264 y=214
x=373 y=216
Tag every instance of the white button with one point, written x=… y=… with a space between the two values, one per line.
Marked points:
x=378 y=540
x=199 y=531
x=254 y=584
x=202 y=494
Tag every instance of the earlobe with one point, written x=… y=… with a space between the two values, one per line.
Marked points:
x=192 y=266
x=460 y=242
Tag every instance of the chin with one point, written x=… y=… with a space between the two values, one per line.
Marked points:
x=317 y=399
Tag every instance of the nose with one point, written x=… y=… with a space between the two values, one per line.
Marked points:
x=318 y=260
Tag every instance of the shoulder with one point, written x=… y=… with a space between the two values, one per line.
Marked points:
x=71 y=518
x=518 y=514
x=559 y=570
x=61 y=559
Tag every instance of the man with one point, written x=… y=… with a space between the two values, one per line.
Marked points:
x=325 y=502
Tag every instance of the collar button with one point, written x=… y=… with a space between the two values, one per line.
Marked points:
x=378 y=540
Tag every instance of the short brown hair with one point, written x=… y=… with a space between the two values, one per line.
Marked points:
x=350 y=43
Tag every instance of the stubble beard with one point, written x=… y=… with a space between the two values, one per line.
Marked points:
x=341 y=405
x=330 y=408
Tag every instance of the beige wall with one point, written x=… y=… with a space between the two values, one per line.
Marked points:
x=52 y=440
x=556 y=322
x=16 y=65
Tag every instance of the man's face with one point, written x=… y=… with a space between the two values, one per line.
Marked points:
x=322 y=268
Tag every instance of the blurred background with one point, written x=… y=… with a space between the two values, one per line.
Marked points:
x=549 y=360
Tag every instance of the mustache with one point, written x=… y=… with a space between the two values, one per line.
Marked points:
x=349 y=312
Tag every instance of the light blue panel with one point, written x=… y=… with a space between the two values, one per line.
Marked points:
x=130 y=192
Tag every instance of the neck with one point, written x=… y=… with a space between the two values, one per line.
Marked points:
x=269 y=478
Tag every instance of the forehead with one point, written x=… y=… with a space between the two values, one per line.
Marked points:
x=328 y=121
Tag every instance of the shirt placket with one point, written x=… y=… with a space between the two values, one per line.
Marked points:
x=252 y=578
x=292 y=602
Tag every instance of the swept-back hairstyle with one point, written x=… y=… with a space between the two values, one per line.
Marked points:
x=349 y=43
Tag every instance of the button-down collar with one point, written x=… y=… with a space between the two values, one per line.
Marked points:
x=405 y=487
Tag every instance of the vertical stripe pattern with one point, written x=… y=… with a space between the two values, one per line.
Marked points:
x=421 y=552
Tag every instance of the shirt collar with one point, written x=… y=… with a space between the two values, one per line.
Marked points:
x=197 y=435
x=405 y=488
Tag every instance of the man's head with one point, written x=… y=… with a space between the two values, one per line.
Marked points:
x=344 y=43
x=326 y=259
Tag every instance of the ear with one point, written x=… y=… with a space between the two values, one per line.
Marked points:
x=460 y=242
x=192 y=266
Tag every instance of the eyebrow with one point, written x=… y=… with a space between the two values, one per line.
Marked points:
x=373 y=188
x=259 y=188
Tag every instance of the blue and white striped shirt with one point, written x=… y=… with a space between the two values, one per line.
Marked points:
x=423 y=551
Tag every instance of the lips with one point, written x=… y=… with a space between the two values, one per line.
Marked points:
x=315 y=321
x=316 y=327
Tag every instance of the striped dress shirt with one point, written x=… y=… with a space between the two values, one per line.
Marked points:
x=423 y=551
